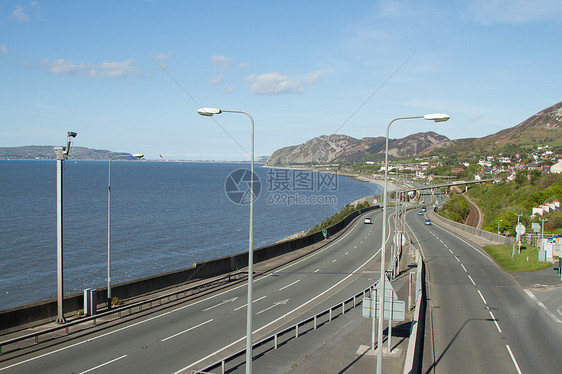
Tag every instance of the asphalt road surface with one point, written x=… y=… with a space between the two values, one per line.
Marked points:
x=479 y=320
x=199 y=332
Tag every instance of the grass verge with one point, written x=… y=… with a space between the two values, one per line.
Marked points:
x=502 y=255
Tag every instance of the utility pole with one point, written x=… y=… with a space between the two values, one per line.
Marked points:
x=62 y=155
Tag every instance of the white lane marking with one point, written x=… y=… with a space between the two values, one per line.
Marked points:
x=458 y=259
x=346 y=252
x=277 y=303
x=189 y=329
x=283 y=316
x=539 y=303
x=462 y=266
x=482 y=297
x=245 y=305
x=219 y=304
x=495 y=321
x=184 y=307
x=313 y=254
x=334 y=260
x=472 y=280
x=316 y=271
x=102 y=365
x=289 y=285
x=513 y=358
x=451 y=252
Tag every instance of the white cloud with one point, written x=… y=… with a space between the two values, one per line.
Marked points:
x=222 y=62
x=514 y=11
x=243 y=65
x=272 y=84
x=4 y=49
x=20 y=14
x=216 y=79
x=114 y=69
x=276 y=83
x=314 y=76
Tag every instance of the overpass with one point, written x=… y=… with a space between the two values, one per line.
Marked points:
x=448 y=184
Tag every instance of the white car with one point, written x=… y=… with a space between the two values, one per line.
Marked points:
x=368 y=220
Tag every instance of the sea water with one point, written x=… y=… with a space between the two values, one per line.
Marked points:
x=164 y=216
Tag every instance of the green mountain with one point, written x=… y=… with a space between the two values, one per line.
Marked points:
x=540 y=129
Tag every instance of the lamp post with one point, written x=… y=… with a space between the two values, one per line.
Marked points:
x=499 y=226
x=62 y=155
x=208 y=112
x=438 y=117
x=137 y=155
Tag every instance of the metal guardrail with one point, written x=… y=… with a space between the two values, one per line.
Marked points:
x=291 y=332
x=34 y=337
x=117 y=312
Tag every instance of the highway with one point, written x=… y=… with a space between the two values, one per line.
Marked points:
x=196 y=333
x=479 y=320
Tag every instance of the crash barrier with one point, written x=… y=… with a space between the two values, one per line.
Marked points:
x=413 y=360
x=83 y=323
x=490 y=236
x=282 y=337
x=46 y=311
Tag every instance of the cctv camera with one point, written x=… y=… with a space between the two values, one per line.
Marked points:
x=71 y=134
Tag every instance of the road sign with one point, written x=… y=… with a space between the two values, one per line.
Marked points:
x=398 y=309
x=399 y=239
x=388 y=290
x=536 y=227
x=520 y=229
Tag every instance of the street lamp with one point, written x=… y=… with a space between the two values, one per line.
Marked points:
x=208 y=112
x=62 y=155
x=437 y=117
x=137 y=155
x=499 y=226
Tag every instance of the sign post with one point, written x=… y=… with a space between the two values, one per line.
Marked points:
x=520 y=230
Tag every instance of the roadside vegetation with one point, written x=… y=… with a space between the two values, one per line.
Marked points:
x=528 y=260
x=336 y=217
x=500 y=202
x=456 y=208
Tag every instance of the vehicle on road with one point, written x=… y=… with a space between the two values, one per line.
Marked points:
x=368 y=220
x=423 y=208
x=420 y=212
x=427 y=221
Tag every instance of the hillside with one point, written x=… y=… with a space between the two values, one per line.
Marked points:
x=544 y=127
x=46 y=152
x=338 y=148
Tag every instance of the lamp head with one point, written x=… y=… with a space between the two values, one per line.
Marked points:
x=208 y=112
x=138 y=155
x=71 y=134
x=437 y=117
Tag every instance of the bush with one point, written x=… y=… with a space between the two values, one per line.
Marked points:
x=336 y=217
x=456 y=209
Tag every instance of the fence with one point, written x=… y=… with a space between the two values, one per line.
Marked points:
x=291 y=332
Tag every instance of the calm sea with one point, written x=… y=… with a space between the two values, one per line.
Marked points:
x=164 y=216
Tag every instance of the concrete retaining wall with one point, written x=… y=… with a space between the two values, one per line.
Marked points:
x=45 y=311
x=486 y=235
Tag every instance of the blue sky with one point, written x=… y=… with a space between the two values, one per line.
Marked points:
x=129 y=75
